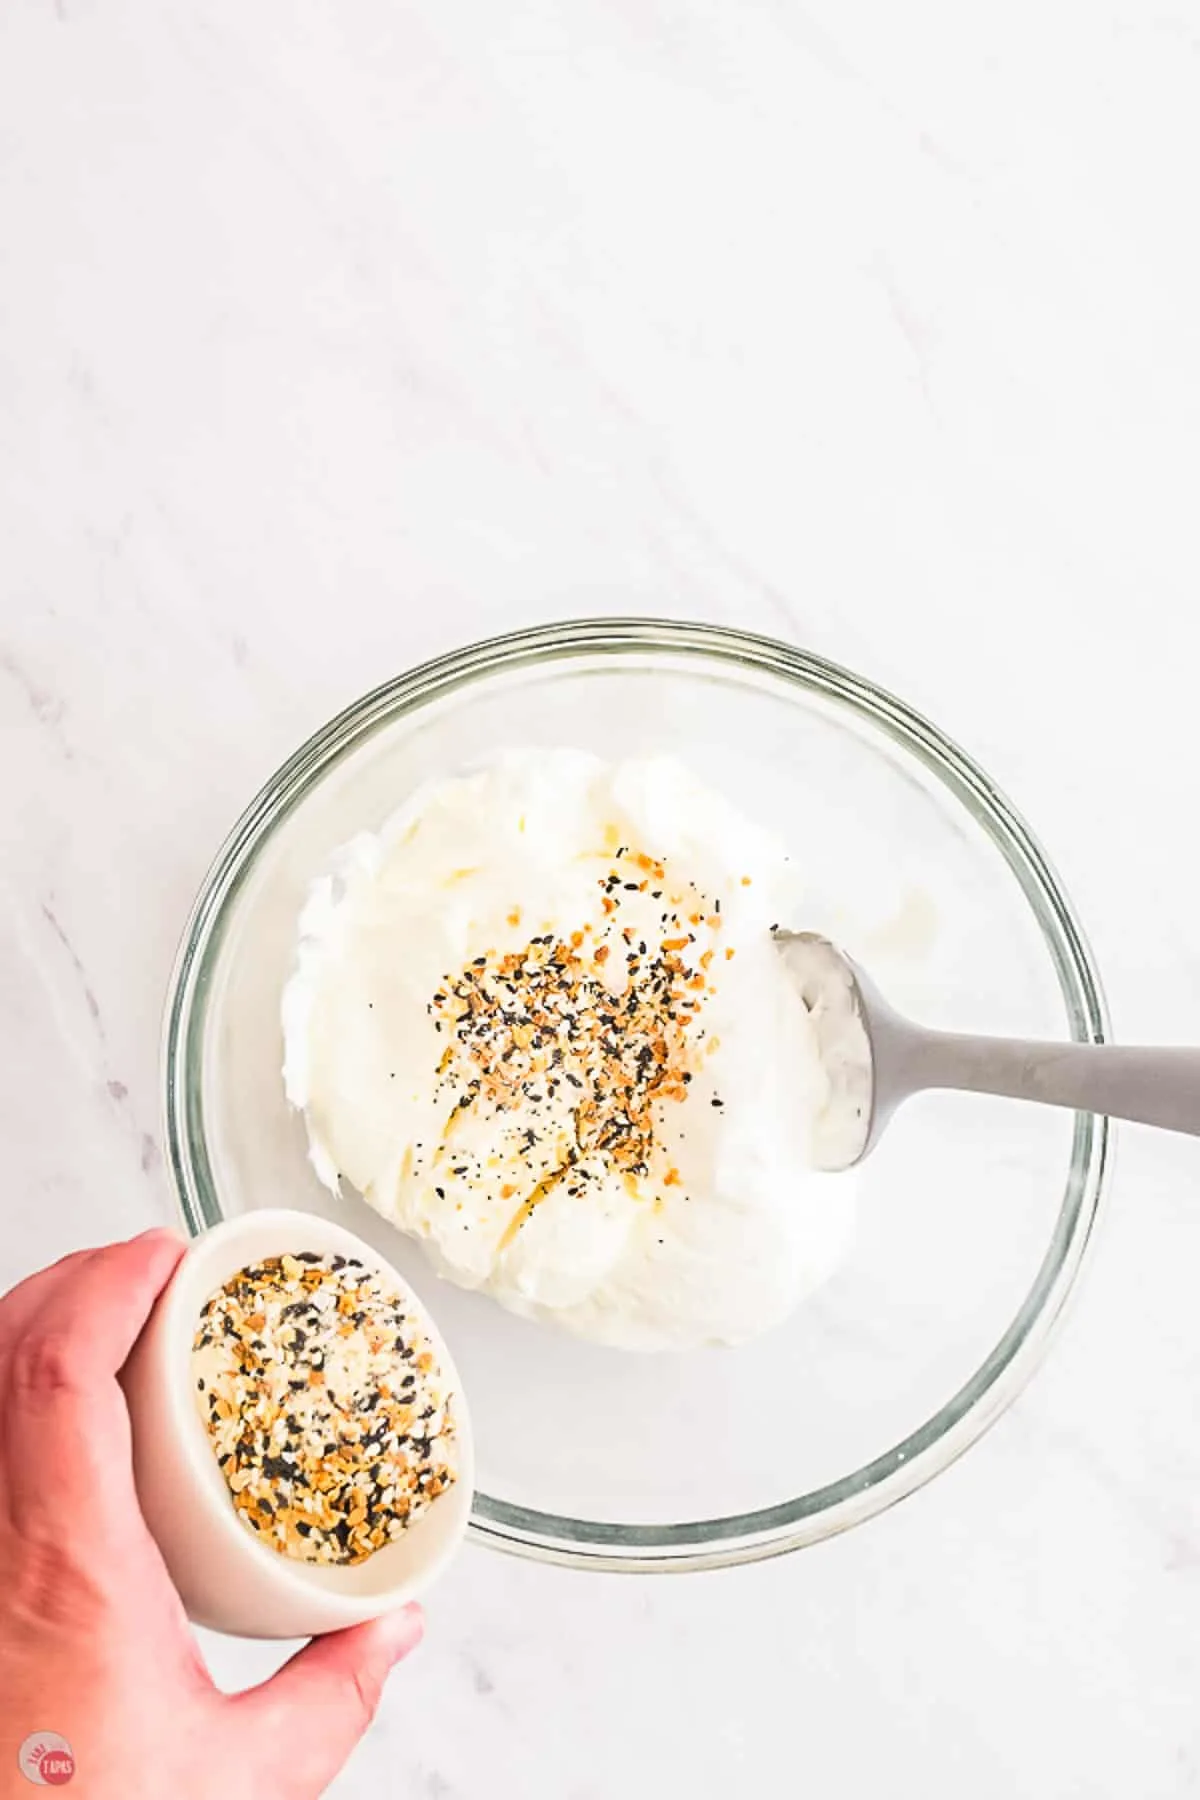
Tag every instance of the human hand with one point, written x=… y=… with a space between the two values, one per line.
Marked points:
x=94 y=1643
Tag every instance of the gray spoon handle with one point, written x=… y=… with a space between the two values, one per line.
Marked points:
x=1153 y=1087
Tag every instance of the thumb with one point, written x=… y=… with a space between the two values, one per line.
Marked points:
x=313 y=1711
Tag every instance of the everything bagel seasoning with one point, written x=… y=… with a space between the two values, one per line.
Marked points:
x=325 y=1406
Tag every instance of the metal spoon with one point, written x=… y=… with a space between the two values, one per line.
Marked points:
x=876 y=1058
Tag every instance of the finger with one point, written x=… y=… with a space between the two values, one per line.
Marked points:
x=66 y=1432
x=88 y=1319
x=23 y=1302
x=323 y=1699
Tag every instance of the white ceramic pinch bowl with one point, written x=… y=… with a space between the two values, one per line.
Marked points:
x=229 y=1579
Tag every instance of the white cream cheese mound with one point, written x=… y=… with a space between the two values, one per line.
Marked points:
x=538 y=1022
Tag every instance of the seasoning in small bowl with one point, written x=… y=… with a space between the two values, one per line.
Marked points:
x=302 y=1445
x=325 y=1405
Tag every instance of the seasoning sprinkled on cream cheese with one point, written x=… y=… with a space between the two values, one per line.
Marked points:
x=325 y=1406
x=584 y=1032
x=537 y=1021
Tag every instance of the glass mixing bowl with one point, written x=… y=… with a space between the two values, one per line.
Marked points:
x=974 y=1213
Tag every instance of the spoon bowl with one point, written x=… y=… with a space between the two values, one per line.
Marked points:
x=874 y=1058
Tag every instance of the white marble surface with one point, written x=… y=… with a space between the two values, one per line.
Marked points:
x=334 y=335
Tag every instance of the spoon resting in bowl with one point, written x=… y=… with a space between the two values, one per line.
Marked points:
x=875 y=1058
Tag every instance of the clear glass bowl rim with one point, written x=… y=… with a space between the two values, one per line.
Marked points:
x=934 y=1445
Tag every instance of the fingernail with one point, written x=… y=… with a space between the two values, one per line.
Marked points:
x=402 y=1631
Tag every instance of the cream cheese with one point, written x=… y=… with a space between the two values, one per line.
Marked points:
x=538 y=1022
